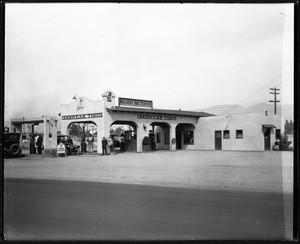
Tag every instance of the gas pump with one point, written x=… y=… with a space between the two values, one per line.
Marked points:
x=32 y=149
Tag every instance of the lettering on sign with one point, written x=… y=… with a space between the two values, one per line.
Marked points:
x=61 y=148
x=135 y=102
x=82 y=116
x=157 y=117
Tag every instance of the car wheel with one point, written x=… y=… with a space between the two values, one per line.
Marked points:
x=14 y=149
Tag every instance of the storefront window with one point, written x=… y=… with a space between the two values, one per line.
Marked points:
x=167 y=137
x=188 y=137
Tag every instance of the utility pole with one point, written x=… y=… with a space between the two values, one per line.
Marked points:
x=273 y=91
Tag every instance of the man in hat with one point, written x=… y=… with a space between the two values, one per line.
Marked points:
x=104 y=145
x=39 y=144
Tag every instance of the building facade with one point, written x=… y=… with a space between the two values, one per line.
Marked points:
x=173 y=129
x=253 y=132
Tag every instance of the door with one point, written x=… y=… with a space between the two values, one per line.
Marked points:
x=178 y=139
x=218 y=140
x=267 y=139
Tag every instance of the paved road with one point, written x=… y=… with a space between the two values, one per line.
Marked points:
x=38 y=209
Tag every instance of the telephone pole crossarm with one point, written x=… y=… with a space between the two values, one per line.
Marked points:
x=275 y=101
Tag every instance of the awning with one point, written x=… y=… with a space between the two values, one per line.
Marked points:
x=268 y=126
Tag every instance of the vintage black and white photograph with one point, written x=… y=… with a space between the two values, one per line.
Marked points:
x=148 y=122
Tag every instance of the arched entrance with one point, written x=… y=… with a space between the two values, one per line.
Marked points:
x=161 y=135
x=124 y=135
x=184 y=135
x=84 y=134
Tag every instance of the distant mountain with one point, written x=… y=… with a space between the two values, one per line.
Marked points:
x=223 y=109
x=286 y=110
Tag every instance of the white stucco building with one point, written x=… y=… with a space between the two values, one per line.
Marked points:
x=173 y=129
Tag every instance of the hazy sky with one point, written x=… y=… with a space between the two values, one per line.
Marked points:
x=187 y=56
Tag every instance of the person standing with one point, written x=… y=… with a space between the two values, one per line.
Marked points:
x=108 y=145
x=91 y=141
x=113 y=146
x=152 y=140
x=39 y=144
x=32 y=145
x=122 y=143
x=83 y=145
x=104 y=145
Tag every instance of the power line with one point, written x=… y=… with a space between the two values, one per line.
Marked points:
x=258 y=92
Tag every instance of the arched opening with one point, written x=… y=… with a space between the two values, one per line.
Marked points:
x=161 y=137
x=124 y=135
x=184 y=135
x=84 y=134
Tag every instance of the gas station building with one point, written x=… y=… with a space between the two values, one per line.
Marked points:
x=173 y=129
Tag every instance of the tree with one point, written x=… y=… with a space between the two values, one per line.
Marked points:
x=74 y=130
x=284 y=143
x=289 y=127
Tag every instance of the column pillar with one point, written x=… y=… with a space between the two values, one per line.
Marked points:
x=141 y=133
x=172 y=136
x=50 y=136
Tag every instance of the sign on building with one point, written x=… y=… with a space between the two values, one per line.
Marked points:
x=82 y=116
x=129 y=102
x=156 y=117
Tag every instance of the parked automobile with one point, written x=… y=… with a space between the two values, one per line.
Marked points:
x=68 y=142
x=12 y=144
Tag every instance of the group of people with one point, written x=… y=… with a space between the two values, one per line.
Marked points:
x=37 y=144
x=87 y=143
x=108 y=146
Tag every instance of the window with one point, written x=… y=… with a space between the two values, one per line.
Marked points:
x=226 y=134
x=157 y=137
x=239 y=134
x=278 y=134
x=188 y=137
x=167 y=137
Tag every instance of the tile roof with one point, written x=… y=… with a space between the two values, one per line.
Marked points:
x=159 y=111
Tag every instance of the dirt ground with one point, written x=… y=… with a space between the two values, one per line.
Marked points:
x=250 y=171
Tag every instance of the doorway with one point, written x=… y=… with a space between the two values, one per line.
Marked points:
x=267 y=139
x=218 y=140
x=124 y=135
x=178 y=139
x=84 y=134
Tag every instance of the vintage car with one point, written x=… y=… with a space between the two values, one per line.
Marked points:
x=12 y=144
x=68 y=142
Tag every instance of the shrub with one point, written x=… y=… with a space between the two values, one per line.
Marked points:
x=284 y=143
x=146 y=140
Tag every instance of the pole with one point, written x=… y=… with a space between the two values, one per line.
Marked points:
x=273 y=91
